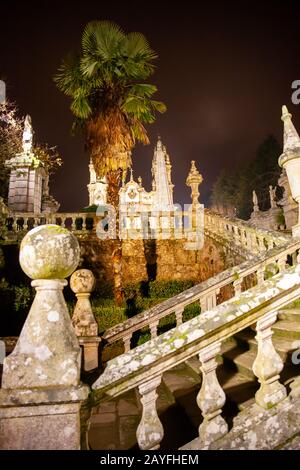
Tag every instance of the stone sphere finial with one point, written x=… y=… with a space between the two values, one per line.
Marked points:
x=82 y=281
x=49 y=252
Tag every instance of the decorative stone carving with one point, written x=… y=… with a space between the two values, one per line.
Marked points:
x=211 y=397
x=267 y=365
x=193 y=180
x=28 y=180
x=290 y=161
x=27 y=135
x=150 y=430
x=41 y=390
x=82 y=283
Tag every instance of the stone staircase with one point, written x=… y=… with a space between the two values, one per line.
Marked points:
x=113 y=424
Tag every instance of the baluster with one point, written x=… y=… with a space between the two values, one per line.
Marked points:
x=150 y=430
x=237 y=285
x=236 y=235
x=14 y=224
x=260 y=275
x=126 y=341
x=179 y=316
x=294 y=258
x=202 y=302
x=281 y=263
x=153 y=329
x=63 y=221
x=249 y=240
x=84 y=223
x=267 y=365
x=261 y=244
x=243 y=237
x=72 y=225
x=211 y=397
x=270 y=243
x=254 y=243
x=209 y=301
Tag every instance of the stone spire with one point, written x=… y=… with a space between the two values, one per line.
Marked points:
x=162 y=185
x=291 y=139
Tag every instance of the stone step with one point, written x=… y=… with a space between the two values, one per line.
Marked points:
x=181 y=378
x=287 y=328
x=292 y=314
x=241 y=361
x=284 y=346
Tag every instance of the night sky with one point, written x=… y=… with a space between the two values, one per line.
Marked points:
x=224 y=70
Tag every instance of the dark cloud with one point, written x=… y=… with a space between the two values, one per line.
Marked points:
x=224 y=70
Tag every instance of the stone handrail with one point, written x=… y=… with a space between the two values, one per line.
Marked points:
x=143 y=366
x=246 y=237
x=205 y=293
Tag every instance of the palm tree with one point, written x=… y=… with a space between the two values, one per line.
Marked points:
x=111 y=104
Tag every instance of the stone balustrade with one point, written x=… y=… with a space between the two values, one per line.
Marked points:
x=77 y=222
x=245 y=238
x=203 y=336
x=159 y=225
x=250 y=240
x=206 y=293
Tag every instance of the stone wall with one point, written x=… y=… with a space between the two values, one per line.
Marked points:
x=145 y=260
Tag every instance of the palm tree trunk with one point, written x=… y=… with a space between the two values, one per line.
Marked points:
x=114 y=179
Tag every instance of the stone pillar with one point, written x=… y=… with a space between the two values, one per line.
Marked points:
x=41 y=390
x=267 y=365
x=150 y=430
x=211 y=397
x=25 y=183
x=82 y=283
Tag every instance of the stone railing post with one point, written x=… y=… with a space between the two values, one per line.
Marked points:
x=150 y=430
x=211 y=397
x=153 y=328
x=127 y=342
x=260 y=275
x=237 y=286
x=82 y=283
x=179 y=315
x=209 y=301
x=41 y=391
x=267 y=365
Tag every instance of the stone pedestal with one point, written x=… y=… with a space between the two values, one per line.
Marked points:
x=25 y=183
x=41 y=391
x=41 y=419
x=82 y=283
x=90 y=345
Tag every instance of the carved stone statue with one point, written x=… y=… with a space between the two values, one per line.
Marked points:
x=255 y=201
x=27 y=135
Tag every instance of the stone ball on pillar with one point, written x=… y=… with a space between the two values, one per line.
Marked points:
x=49 y=252
x=82 y=281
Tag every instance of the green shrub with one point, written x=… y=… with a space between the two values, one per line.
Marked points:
x=109 y=316
x=167 y=289
x=191 y=311
x=24 y=296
